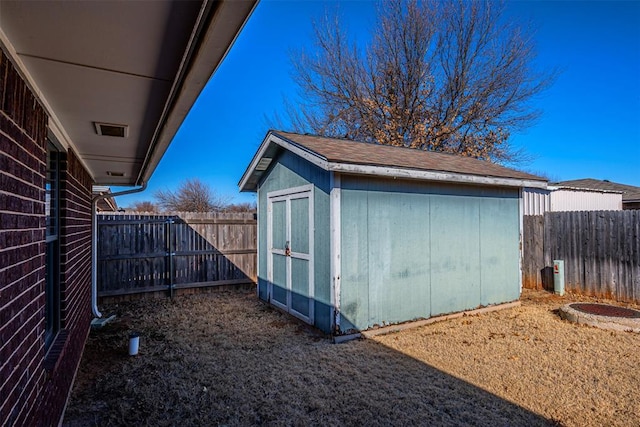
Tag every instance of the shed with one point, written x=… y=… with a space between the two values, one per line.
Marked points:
x=355 y=235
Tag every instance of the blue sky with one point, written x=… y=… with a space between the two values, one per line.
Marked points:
x=590 y=123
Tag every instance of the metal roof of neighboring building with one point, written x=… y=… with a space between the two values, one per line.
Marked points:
x=342 y=155
x=630 y=193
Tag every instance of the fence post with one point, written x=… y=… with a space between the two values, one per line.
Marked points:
x=170 y=253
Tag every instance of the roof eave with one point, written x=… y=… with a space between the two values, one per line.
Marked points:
x=243 y=184
x=55 y=129
x=585 y=189
x=273 y=139
x=247 y=184
x=218 y=20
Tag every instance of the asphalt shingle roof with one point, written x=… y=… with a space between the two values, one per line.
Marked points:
x=360 y=153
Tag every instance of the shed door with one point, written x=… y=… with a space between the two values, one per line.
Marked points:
x=290 y=257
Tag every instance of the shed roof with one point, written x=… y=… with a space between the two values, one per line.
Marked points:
x=342 y=155
x=630 y=193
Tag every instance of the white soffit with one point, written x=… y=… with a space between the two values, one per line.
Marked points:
x=214 y=44
x=117 y=62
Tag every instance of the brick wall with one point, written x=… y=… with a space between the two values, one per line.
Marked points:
x=32 y=392
x=75 y=259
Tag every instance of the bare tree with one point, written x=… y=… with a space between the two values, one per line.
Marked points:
x=436 y=75
x=144 y=206
x=242 y=207
x=192 y=196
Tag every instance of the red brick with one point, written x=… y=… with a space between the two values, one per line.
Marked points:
x=29 y=394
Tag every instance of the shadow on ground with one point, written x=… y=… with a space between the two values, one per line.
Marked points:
x=228 y=359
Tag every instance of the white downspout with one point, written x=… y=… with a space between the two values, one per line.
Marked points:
x=94 y=244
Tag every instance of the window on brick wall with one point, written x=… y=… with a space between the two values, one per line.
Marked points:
x=52 y=209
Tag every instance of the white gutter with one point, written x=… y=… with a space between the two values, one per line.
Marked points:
x=94 y=244
x=218 y=25
x=177 y=83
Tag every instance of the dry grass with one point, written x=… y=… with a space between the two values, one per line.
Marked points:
x=577 y=375
x=228 y=359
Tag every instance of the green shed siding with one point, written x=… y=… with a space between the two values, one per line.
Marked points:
x=455 y=243
x=354 y=287
x=289 y=171
x=413 y=249
x=499 y=226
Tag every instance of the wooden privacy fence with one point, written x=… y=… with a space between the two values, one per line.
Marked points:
x=146 y=253
x=600 y=249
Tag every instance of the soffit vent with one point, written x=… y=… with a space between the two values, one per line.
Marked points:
x=115 y=174
x=263 y=164
x=111 y=129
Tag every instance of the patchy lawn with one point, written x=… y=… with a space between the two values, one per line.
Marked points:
x=227 y=359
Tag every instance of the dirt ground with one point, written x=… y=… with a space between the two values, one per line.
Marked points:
x=227 y=359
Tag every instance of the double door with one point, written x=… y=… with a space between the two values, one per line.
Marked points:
x=290 y=250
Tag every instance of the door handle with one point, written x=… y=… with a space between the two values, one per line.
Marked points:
x=287 y=249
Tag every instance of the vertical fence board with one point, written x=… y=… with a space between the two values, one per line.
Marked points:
x=533 y=232
x=601 y=251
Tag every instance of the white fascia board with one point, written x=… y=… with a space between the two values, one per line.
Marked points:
x=254 y=163
x=434 y=175
x=196 y=69
x=272 y=138
x=306 y=154
x=53 y=124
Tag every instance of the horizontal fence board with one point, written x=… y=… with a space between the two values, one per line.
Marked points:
x=118 y=221
x=119 y=292
x=146 y=253
x=600 y=250
x=216 y=252
x=214 y=284
x=221 y=221
x=138 y=255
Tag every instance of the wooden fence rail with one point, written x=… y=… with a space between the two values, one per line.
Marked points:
x=600 y=249
x=145 y=253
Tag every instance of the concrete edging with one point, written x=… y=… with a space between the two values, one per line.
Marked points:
x=339 y=339
x=621 y=324
x=370 y=333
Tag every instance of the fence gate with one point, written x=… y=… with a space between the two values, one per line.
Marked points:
x=147 y=253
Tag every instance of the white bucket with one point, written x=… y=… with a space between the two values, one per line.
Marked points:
x=134 y=343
